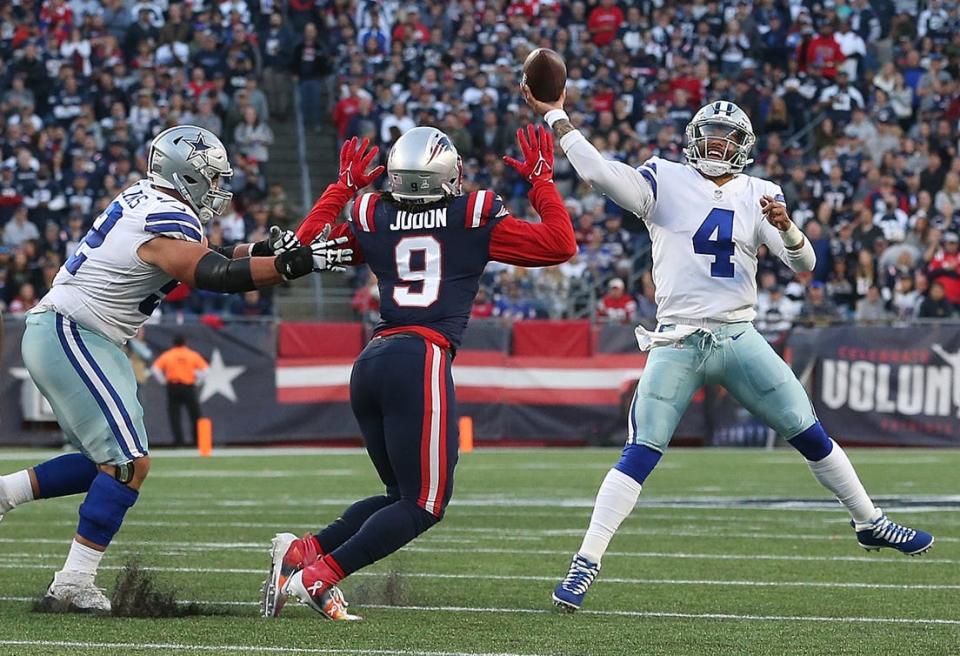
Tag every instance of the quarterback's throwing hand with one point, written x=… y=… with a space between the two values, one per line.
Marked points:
x=537 y=149
x=775 y=213
x=354 y=161
x=328 y=254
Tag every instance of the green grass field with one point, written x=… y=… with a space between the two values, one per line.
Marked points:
x=730 y=552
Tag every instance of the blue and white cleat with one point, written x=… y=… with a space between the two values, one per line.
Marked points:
x=884 y=533
x=569 y=593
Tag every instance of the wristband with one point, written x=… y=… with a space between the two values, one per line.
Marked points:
x=294 y=264
x=261 y=249
x=555 y=115
x=791 y=236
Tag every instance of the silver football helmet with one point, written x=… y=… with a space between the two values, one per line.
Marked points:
x=719 y=139
x=424 y=166
x=193 y=162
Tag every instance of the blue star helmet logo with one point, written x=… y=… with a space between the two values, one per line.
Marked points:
x=198 y=148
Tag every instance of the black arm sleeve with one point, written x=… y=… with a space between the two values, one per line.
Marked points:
x=216 y=273
x=226 y=251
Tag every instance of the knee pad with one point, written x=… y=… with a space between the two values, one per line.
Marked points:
x=72 y=473
x=814 y=443
x=637 y=461
x=104 y=508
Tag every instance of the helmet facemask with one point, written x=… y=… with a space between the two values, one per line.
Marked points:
x=717 y=147
x=424 y=167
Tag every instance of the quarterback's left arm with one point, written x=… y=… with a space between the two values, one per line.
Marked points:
x=783 y=236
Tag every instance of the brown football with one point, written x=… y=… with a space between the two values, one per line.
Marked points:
x=545 y=73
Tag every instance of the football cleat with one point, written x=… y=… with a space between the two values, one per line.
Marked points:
x=323 y=597
x=569 y=593
x=72 y=592
x=288 y=554
x=882 y=532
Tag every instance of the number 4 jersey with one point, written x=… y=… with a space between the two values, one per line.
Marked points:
x=705 y=242
x=428 y=259
x=105 y=286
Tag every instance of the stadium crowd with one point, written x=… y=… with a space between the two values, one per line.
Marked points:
x=855 y=104
x=84 y=86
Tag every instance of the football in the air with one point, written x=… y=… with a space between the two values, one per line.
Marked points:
x=545 y=73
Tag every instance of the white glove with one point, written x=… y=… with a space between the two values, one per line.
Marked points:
x=327 y=254
x=281 y=241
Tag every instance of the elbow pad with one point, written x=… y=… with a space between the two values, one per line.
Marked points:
x=216 y=273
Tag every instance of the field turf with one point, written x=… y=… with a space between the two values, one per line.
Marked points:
x=730 y=552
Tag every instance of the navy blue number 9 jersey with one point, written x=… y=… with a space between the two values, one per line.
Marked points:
x=428 y=260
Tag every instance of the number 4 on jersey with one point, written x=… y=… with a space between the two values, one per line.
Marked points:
x=718 y=221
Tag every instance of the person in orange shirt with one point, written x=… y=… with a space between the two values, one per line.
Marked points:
x=180 y=368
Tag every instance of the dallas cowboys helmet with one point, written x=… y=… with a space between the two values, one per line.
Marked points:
x=424 y=166
x=719 y=139
x=193 y=162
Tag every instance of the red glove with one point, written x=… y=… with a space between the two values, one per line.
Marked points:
x=354 y=163
x=537 y=150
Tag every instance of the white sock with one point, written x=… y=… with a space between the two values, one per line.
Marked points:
x=82 y=559
x=19 y=490
x=837 y=475
x=616 y=498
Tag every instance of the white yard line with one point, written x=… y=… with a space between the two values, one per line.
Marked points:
x=244 y=649
x=261 y=571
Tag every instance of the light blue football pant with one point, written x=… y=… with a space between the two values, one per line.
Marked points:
x=90 y=385
x=733 y=355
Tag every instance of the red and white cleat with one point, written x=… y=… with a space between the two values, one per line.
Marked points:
x=288 y=555
x=323 y=597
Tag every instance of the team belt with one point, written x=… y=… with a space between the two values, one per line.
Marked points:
x=405 y=334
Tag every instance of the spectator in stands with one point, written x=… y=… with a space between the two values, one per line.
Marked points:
x=311 y=66
x=616 y=305
x=19 y=229
x=250 y=304
x=482 y=305
x=818 y=310
x=24 y=301
x=944 y=267
x=253 y=137
x=872 y=308
x=936 y=305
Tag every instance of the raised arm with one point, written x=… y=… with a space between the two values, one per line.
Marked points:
x=626 y=186
x=783 y=236
x=353 y=175
x=551 y=241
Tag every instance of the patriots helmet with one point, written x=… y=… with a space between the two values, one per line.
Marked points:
x=423 y=166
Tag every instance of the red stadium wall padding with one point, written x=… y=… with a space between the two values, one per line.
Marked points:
x=320 y=340
x=566 y=339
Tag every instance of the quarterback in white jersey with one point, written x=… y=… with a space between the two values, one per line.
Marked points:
x=707 y=220
x=148 y=240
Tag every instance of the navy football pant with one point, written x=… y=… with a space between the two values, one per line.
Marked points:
x=402 y=395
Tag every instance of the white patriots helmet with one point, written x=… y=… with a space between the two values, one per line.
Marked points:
x=193 y=162
x=719 y=139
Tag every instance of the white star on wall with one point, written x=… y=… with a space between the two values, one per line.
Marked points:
x=218 y=379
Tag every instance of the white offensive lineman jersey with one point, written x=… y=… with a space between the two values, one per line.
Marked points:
x=705 y=242
x=105 y=286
